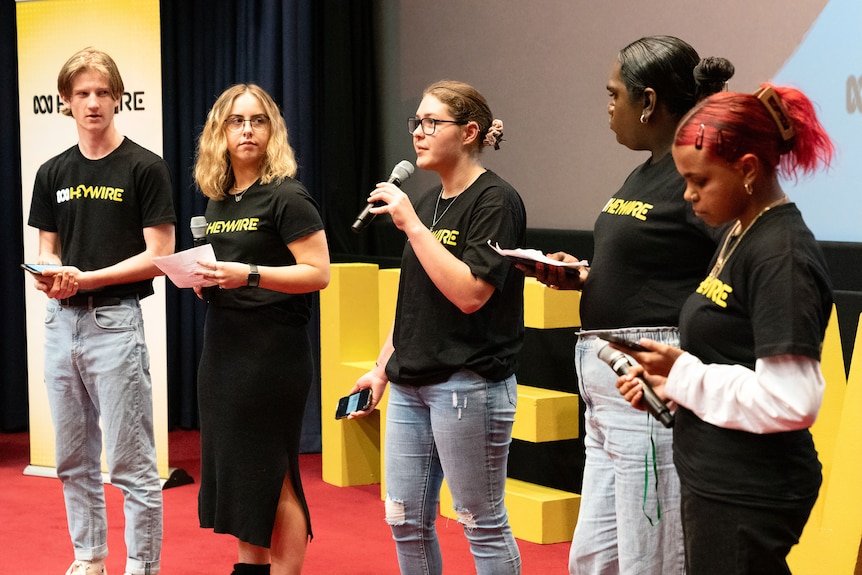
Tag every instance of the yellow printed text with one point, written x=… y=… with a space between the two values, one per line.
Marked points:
x=447 y=237
x=716 y=290
x=82 y=191
x=238 y=225
x=633 y=208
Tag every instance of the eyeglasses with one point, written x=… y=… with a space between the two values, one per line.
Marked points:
x=429 y=125
x=237 y=123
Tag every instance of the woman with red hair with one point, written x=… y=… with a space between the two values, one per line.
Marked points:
x=748 y=384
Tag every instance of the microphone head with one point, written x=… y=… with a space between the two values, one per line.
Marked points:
x=401 y=171
x=618 y=361
x=198 y=225
x=607 y=353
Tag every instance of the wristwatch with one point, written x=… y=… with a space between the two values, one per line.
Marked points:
x=253 y=276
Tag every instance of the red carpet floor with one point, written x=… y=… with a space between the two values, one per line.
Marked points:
x=351 y=537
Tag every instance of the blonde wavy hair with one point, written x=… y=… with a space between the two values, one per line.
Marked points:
x=213 y=172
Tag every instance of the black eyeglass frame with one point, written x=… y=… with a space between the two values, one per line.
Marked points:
x=413 y=122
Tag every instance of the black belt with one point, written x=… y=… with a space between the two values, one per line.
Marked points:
x=83 y=300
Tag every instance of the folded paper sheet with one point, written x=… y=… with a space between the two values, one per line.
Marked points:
x=181 y=267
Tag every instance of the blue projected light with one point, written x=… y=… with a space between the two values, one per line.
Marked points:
x=827 y=66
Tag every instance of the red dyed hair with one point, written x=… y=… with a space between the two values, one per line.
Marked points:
x=731 y=124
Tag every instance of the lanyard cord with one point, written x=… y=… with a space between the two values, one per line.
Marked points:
x=655 y=474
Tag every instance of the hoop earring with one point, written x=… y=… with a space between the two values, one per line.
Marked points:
x=748 y=189
x=644 y=119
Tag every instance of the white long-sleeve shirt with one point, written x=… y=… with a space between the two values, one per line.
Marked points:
x=783 y=393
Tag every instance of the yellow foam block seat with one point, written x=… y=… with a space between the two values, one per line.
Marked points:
x=546 y=308
x=545 y=415
x=537 y=514
x=349 y=342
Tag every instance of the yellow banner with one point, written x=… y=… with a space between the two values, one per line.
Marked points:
x=49 y=32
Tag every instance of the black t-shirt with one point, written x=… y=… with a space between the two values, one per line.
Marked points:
x=99 y=208
x=650 y=252
x=773 y=297
x=433 y=338
x=257 y=230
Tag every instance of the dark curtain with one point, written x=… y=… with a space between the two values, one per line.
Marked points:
x=317 y=61
x=13 y=352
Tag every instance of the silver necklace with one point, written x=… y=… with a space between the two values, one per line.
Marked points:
x=237 y=197
x=435 y=220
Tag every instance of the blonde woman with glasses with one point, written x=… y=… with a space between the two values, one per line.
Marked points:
x=256 y=367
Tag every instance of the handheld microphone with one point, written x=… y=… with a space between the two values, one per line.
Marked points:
x=199 y=230
x=400 y=173
x=621 y=364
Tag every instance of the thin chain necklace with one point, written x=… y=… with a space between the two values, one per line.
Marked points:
x=722 y=256
x=237 y=197
x=437 y=205
x=436 y=220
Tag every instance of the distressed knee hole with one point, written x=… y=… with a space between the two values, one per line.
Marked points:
x=394 y=511
x=466 y=518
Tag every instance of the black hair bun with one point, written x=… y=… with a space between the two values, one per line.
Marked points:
x=711 y=74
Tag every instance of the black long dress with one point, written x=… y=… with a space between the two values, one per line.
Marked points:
x=256 y=366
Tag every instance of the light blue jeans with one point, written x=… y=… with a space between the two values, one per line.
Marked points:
x=629 y=520
x=460 y=429
x=97 y=366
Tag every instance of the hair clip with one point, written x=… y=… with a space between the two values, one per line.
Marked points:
x=719 y=142
x=698 y=139
x=772 y=102
x=718 y=146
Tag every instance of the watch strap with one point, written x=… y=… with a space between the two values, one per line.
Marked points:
x=253 y=276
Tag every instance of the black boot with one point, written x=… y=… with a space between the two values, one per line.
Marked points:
x=249 y=569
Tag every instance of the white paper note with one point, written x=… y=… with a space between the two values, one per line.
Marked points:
x=181 y=266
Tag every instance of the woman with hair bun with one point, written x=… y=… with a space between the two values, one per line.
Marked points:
x=459 y=324
x=650 y=253
x=748 y=385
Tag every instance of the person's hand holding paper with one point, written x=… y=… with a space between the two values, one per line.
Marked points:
x=557 y=271
x=182 y=267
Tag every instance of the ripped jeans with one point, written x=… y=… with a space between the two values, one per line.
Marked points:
x=462 y=429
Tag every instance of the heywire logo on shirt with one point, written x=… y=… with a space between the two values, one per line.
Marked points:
x=82 y=191
x=238 y=225
x=715 y=290
x=446 y=237
x=633 y=208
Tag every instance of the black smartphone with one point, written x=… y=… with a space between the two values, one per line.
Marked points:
x=621 y=341
x=37 y=269
x=359 y=401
